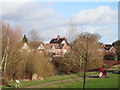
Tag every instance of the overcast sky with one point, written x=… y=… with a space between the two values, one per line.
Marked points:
x=50 y=19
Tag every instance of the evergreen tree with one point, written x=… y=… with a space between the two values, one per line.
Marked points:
x=25 y=39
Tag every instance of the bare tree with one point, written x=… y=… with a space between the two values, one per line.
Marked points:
x=87 y=47
x=34 y=36
x=10 y=38
x=84 y=55
x=0 y=43
x=72 y=33
x=16 y=64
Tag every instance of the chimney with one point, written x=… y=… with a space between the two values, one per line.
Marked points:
x=64 y=37
x=58 y=37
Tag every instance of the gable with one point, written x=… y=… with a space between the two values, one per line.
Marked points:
x=65 y=47
x=25 y=46
x=53 y=47
x=41 y=46
x=112 y=49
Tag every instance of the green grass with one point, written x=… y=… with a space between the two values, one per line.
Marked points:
x=50 y=79
x=111 y=82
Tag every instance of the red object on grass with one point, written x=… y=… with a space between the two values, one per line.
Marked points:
x=102 y=69
x=102 y=76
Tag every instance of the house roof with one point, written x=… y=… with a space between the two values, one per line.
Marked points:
x=56 y=40
x=107 y=46
x=57 y=46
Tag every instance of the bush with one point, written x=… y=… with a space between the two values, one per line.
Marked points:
x=40 y=65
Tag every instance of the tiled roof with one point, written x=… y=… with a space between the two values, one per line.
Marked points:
x=107 y=46
x=57 y=46
x=56 y=40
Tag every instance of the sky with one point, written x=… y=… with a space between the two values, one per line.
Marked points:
x=50 y=19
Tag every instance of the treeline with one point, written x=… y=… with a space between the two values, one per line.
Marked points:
x=17 y=65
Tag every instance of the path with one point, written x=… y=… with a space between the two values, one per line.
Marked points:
x=48 y=83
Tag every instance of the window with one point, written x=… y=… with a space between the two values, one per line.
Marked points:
x=59 y=50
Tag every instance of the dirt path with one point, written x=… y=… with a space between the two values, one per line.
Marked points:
x=48 y=83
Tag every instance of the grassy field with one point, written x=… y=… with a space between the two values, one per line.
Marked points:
x=50 y=79
x=111 y=82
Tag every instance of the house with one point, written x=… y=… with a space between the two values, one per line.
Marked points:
x=31 y=47
x=58 y=46
x=57 y=50
x=41 y=48
x=38 y=47
x=25 y=48
x=109 y=51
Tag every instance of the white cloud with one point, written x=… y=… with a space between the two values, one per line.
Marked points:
x=100 y=15
x=11 y=6
x=108 y=35
x=104 y=30
x=31 y=15
x=49 y=24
